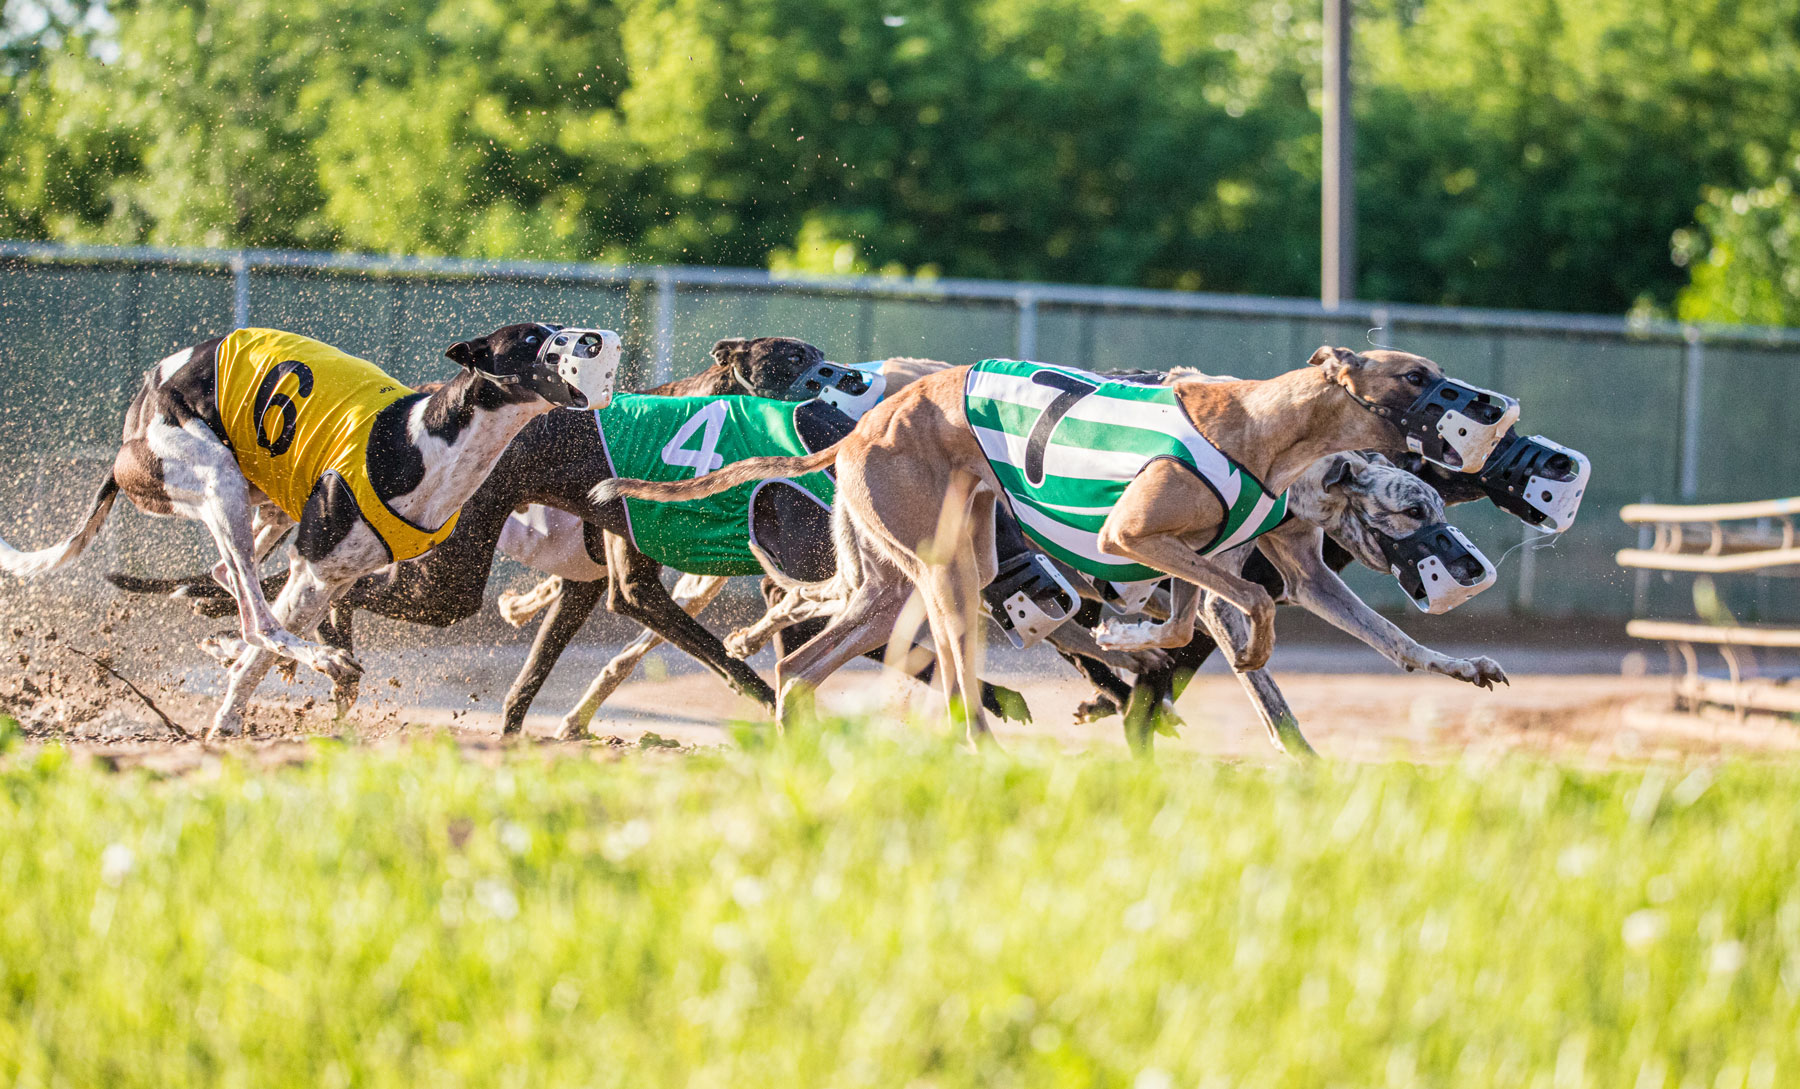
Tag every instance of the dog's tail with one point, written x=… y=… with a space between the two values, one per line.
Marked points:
x=738 y=472
x=44 y=560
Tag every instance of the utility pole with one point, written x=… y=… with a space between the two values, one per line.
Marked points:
x=1337 y=280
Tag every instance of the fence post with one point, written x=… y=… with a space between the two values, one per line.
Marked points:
x=1528 y=568
x=240 y=290
x=662 y=345
x=1026 y=345
x=1694 y=364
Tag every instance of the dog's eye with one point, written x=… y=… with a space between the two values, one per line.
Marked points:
x=1415 y=378
x=1416 y=512
x=531 y=340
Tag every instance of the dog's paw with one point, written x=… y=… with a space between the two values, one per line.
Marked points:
x=225 y=725
x=1251 y=658
x=336 y=664
x=1095 y=709
x=1012 y=705
x=742 y=643
x=223 y=649
x=1482 y=672
x=1118 y=635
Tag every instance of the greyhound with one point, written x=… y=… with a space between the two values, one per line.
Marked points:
x=919 y=480
x=259 y=430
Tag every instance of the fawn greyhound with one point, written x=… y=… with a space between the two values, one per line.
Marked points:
x=919 y=476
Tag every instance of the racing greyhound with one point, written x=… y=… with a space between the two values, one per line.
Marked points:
x=258 y=430
x=920 y=477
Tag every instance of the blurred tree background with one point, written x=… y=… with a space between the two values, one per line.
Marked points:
x=1558 y=154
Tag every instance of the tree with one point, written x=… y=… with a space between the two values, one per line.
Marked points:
x=1744 y=258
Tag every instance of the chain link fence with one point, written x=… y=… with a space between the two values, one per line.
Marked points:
x=1666 y=412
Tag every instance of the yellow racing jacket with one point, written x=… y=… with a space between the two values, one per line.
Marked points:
x=295 y=410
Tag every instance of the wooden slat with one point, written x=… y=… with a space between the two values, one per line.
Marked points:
x=1754 y=694
x=1712 y=565
x=1670 y=631
x=1716 y=512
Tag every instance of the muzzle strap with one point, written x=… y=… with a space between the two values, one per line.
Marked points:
x=1451 y=423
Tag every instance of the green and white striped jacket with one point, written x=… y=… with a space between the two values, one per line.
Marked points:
x=1065 y=443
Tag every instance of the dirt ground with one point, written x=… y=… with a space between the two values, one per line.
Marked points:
x=59 y=693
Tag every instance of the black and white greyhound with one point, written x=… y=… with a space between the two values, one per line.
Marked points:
x=419 y=456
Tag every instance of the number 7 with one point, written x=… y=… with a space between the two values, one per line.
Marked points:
x=1073 y=390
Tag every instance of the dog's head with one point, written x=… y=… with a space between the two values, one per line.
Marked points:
x=570 y=368
x=767 y=366
x=1392 y=521
x=1449 y=422
x=1392 y=380
x=1360 y=499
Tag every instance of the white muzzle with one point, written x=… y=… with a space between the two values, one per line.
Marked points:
x=587 y=361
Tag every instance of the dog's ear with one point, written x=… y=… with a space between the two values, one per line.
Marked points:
x=470 y=353
x=730 y=351
x=1340 y=474
x=1337 y=362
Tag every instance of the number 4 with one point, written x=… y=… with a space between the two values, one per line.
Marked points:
x=703 y=460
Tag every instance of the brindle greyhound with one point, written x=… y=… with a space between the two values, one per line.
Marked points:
x=363 y=465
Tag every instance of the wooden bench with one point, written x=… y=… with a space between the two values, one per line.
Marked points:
x=1722 y=539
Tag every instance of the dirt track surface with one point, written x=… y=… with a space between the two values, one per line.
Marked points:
x=59 y=695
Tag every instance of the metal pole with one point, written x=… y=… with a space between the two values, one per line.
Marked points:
x=1026 y=344
x=1337 y=280
x=1694 y=363
x=240 y=291
x=662 y=367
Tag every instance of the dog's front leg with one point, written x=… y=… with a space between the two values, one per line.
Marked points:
x=1226 y=626
x=1294 y=550
x=1170 y=554
x=693 y=593
x=1152 y=524
x=302 y=604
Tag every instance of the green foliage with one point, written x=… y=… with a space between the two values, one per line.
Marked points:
x=845 y=910
x=1745 y=257
x=1512 y=152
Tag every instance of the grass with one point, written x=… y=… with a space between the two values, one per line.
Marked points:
x=886 y=911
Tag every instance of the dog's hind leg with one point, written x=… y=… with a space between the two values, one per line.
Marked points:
x=202 y=481
x=693 y=593
x=638 y=594
x=568 y=611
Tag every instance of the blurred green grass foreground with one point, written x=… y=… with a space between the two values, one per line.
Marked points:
x=883 y=910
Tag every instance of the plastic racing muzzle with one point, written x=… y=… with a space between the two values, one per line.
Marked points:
x=576 y=368
x=1537 y=481
x=1438 y=567
x=1029 y=599
x=1453 y=423
x=852 y=390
